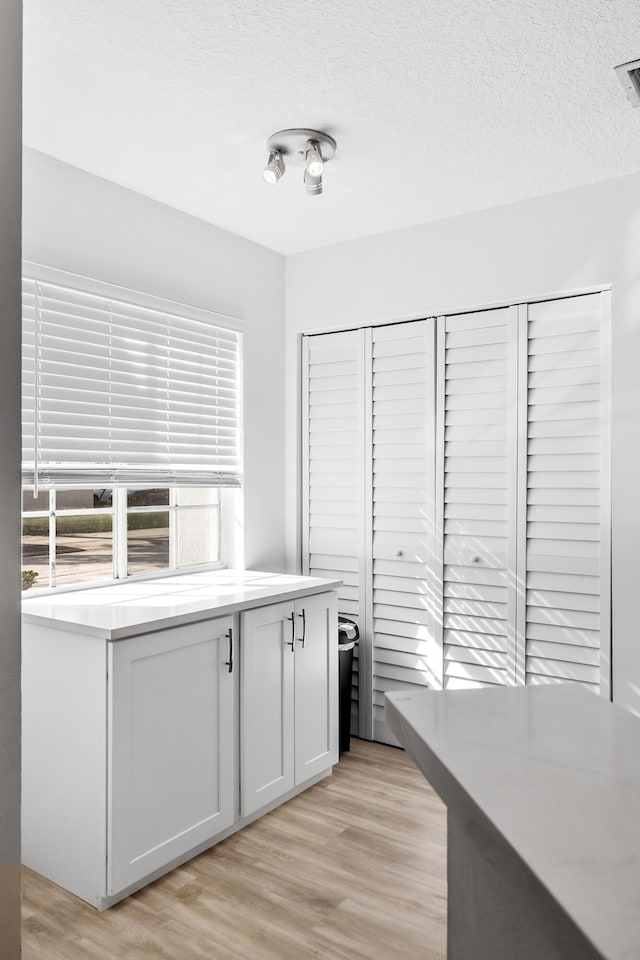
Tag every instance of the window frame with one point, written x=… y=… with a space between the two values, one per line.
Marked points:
x=119 y=512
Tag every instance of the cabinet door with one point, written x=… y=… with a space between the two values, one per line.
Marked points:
x=171 y=750
x=266 y=705
x=316 y=685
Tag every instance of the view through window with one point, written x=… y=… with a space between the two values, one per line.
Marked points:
x=74 y=536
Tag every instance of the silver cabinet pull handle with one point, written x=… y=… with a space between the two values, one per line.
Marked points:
x=304 y=627
x=229 y=662
x=292 y=642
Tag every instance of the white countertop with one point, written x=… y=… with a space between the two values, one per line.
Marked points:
x=556 y=770
x=127 y=609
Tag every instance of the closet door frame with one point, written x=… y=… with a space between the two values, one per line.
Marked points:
x=365 y=697
x=606 y=647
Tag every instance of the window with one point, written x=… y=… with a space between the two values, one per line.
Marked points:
x=131 y=427
x=80 y=536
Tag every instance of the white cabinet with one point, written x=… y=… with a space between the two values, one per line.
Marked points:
x=132 y=755
x=172 y=724
x=288 y=699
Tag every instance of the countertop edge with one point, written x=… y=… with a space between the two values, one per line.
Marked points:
x=163 y=622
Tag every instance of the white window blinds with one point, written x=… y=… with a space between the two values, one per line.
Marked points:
x=118 y=389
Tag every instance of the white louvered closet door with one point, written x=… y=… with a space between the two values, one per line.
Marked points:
x=470 y=522
x=476 y=484
x=334 y=471
x=564 y=527
x=401 y=582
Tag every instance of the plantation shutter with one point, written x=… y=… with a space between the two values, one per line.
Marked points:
x=121 y=388
x=402 y=590
x=333 y=470
x=477 y=496
x=567 y=499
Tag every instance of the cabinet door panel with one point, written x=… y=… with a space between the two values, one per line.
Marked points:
x=172 y=722
x=266 y=705
x=316 y=685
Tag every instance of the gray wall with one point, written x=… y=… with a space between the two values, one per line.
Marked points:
x=10 y=148
x=554 y=244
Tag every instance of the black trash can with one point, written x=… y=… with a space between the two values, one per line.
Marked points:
x=347 y=638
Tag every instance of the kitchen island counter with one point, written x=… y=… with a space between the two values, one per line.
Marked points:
x=542 y=787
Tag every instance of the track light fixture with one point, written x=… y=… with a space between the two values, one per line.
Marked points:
x=275 y=167
x=311 y=149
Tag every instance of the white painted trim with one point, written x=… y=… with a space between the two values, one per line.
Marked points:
x=303 y=461
x=301 y=426
x=606 y=608
x=365 y=663
x=520 y=531
x=119 y=527
x=438 y=524
x=513 y=380
x=456 y=311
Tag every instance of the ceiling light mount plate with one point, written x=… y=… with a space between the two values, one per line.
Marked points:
x=629 y=76
x=292 y=144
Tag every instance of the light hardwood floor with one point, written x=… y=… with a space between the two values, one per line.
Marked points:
x=352 y=869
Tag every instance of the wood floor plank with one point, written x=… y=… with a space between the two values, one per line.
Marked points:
x=352 y=869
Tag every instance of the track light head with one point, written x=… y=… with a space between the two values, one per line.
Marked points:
x=313 y=162
x=300 y=146
x=313 y=184
x=275 y=167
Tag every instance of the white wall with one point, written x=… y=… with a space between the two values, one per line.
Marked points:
x=558 y=243
x=10 y=137
x=81 y=223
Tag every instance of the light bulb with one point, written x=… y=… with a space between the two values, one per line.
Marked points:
x=313 y=162
x=274 y=168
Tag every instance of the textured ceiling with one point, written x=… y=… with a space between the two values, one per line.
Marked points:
x=439 y=108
